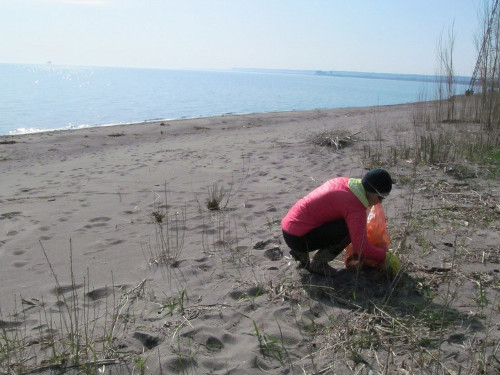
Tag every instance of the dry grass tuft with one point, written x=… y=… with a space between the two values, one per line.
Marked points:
x=334 y=139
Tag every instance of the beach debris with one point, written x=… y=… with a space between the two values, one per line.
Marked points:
x=336 y=139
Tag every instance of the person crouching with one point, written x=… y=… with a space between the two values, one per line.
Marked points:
x=334 y=215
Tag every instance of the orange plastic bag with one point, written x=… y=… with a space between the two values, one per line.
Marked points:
x=376 y=232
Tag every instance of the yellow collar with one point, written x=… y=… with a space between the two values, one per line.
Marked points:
x=358 y=190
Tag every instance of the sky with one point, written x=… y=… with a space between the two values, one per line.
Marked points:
x=382 y=36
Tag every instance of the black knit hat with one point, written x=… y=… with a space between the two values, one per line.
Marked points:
x=377 y=180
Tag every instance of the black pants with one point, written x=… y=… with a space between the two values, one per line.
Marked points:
x=333 y=235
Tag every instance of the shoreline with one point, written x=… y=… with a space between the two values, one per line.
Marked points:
x=155 y=121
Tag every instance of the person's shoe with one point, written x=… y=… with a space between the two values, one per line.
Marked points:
x=301 y=257
x=321 y=268
x=319 y=263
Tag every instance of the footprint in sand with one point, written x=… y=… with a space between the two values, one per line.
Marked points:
x=10 y=215
x=274 y=254
x=96 y=222
x=100 y=219
x=148 y=340
x=251 y=292
x=4 y=324
x=63 y=289
x=179 y=365
x=114 y=241
x=104 y=292
x=19 y=264
x=213 y=338
x=272 y=251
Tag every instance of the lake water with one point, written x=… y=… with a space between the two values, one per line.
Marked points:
x=49 y=97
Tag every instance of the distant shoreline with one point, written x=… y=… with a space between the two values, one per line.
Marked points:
x=459 y=80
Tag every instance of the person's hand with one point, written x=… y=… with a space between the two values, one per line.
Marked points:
x=392 y=263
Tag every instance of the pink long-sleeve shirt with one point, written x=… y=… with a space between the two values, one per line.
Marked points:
x=332 y=201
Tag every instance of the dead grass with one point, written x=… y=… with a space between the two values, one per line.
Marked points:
x=335 y=139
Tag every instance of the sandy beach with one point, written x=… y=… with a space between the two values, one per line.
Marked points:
x=106 y=242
